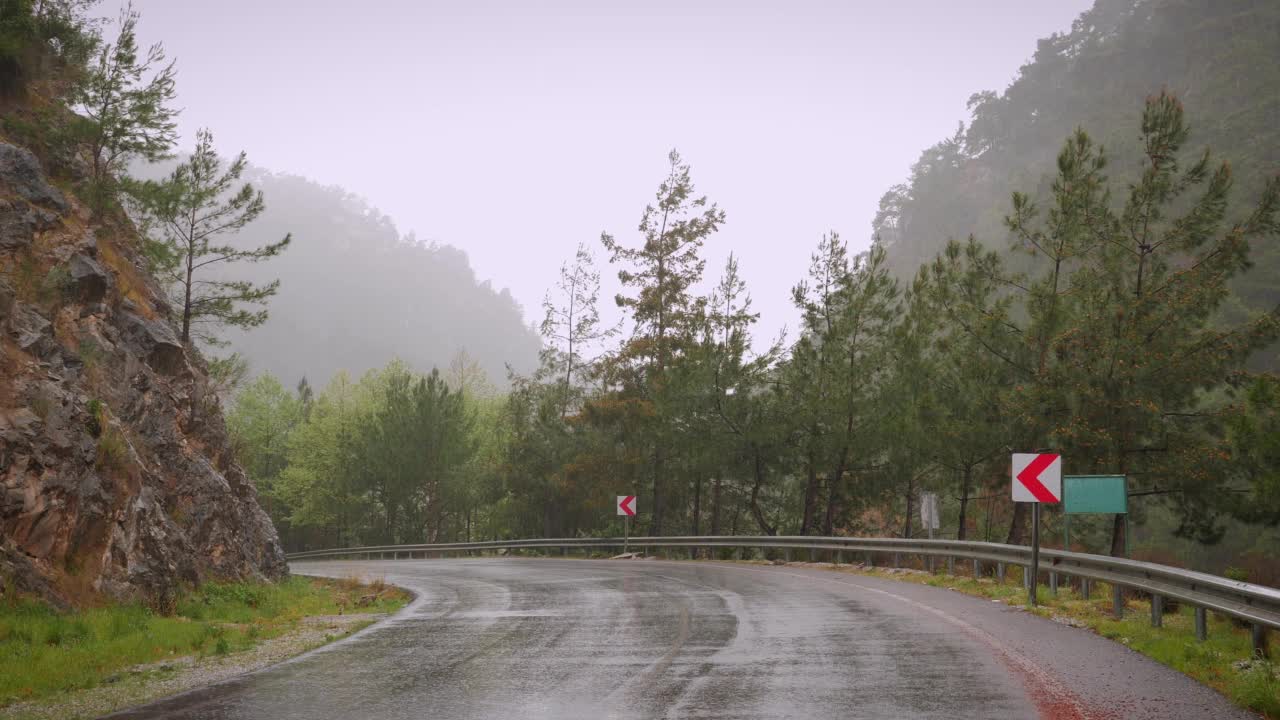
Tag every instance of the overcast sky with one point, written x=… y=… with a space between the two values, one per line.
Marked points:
x=516 y=129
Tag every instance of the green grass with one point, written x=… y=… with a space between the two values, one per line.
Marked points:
x=44 y=653
x=1211 y=662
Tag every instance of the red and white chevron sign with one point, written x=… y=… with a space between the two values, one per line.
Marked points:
x=1037 y=477
x=627 y=505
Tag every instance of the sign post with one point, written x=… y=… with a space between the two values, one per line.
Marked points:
x=1096 y=494
x=627 y=509
x=929 y=512
x=929 y=517
x=1037 y=479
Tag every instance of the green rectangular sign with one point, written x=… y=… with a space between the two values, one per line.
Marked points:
x=1094 y=494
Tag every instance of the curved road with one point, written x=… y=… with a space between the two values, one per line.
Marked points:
x=595 y=639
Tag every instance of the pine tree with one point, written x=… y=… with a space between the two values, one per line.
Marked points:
x=664 y=311
x=812 y=363
x=126 y=115
x=848 y=311
x=185 y=216
x=1147 y=350
x=571 y=323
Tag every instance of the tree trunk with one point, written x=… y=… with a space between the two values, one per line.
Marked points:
x=828 y=522
x=715 y=505
x=697 y=503
x=810 y=495
x=655 y=520
x=906 y=530
x=1018 y=527
x=1118 y=530
x=186 y=303
x=756 y=512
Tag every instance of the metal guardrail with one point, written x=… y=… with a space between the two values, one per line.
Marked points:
x=1257 y=605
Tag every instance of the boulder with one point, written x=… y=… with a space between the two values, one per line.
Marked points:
x=155 y=341
x=32 y=331
x=21 y=174
x=17 y=224
x=90 y=280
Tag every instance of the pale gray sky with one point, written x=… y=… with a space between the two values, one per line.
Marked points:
x=514 y=129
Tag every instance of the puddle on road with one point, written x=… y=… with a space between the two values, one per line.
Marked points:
x=489 y=614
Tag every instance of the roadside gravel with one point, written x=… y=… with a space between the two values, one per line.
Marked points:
x=145 y=683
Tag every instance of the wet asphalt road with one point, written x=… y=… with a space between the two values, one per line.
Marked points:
x=567 y=639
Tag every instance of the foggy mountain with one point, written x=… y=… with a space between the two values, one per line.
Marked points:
x=1220 y=58
x=355 y=293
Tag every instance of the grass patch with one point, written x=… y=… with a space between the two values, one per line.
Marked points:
x=1216 y=662
x=44 y=653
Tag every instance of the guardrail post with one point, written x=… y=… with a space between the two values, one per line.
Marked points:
x=1000 y=571
x=1260 y=649
x=897 y=561
x=839 y=557
x=1202 y=624
x=1117 y=601
x=786 y=554
x=1053 y=584
x=813 y=555
x=951 y=564
x=1084 y=588
x=1157 y=610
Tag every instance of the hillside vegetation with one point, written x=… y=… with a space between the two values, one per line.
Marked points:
x=356 y=293
x=1221 y=59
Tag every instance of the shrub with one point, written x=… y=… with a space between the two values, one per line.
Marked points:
x=113 y=451
x=94 y=423
x=41 y=405
x=56 y=286
x=90 y=353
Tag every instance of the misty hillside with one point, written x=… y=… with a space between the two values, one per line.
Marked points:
x=355 y=293
x=1221 y=58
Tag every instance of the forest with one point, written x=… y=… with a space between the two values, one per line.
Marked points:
x=1088 y=268
x=1099 y=335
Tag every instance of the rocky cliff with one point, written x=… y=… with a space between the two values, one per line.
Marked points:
x=117 y=478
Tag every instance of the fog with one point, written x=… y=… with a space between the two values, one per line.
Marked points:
x=512 y=131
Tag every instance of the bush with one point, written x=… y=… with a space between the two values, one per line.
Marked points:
x=96 y=410
x=90 y=354
x=57 y=286
x=113 y=451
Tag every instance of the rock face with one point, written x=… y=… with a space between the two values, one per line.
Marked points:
x=116 y=474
